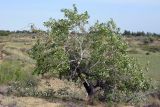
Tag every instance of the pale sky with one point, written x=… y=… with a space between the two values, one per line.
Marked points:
x=134 y=15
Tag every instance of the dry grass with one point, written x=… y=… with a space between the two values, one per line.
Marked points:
x=29 y=102
x=75 y=92
x=38 y=102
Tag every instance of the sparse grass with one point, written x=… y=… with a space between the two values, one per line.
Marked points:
x=133 y=51
x=151 y=48
x=151 y=61
x=13 y=71
x=19 y=45
x=148 y=55
x=29 y=102
x=16 y=65
x=17 y=55
x=48 y=93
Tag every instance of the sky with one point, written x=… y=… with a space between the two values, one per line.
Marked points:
x=134 y=15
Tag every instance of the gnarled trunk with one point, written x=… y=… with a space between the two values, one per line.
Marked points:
x=90 y=91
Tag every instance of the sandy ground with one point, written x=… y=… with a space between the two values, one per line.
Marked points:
x=6 y=101
x=27 y=102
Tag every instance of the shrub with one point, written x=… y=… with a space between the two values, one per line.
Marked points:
x=97 y=57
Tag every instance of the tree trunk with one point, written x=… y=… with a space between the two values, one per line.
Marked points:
x=90 y=91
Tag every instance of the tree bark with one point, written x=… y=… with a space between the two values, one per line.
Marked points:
x=90 y=91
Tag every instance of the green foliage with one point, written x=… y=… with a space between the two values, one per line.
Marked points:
x=97 y=56
x=4 y=33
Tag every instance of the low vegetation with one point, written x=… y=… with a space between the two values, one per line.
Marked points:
x=4 y=33
x=11 y=71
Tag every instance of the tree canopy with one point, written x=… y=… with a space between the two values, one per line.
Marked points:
x=95 y=57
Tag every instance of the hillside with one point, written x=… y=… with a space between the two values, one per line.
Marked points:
x=14 y=57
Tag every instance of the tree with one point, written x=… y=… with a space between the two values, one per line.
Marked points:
x=4 y=33
x=96 y=57
x=127 y=33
